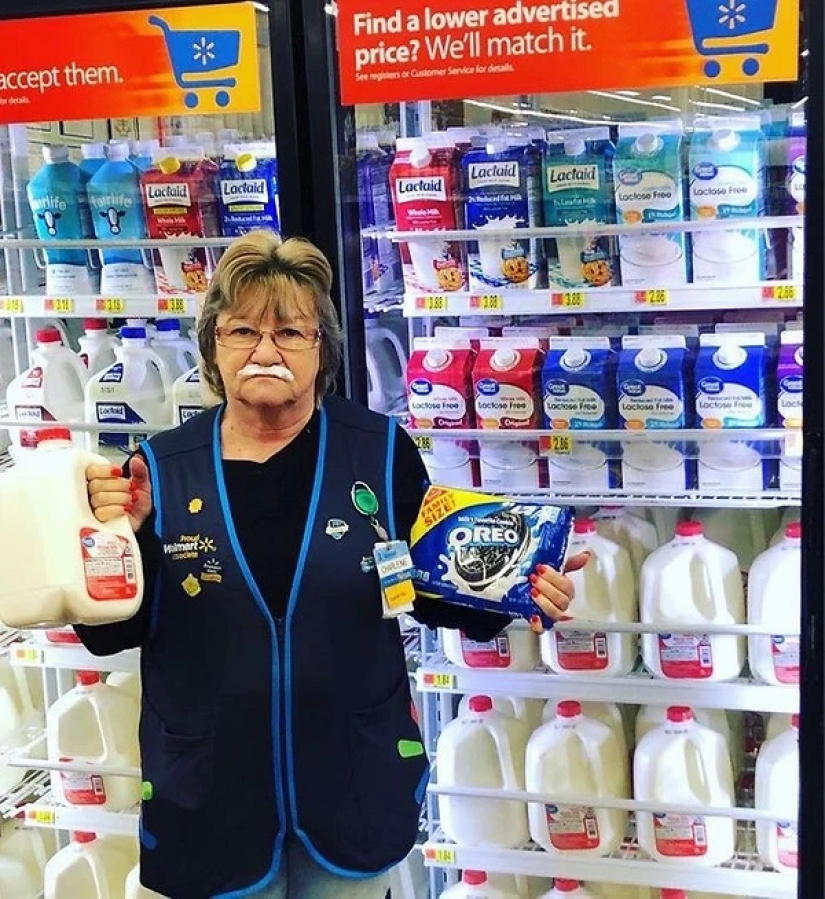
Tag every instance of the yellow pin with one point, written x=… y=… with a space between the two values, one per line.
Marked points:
x=195 y=505
x=191 y=585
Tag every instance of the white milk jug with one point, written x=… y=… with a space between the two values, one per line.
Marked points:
x=128 y=681
x=137 y=389
x=576 y=756
x=516 y=648
x=528 y=711
x=608 y=713
x=97 y=724
x=789 y=516
x=20 y=710
x=605 y=592
x=745 y=532
x=683 y=763
x=16 y=881
x=483 y=749
x=652 y=716
x=635 y=534
x=74 y=569
x=774 y=601
x=692 y=581
x=188 y=396
x=386 y=361
x=23 y=856
x=97 y=345
x=90 y=866
x=621 y=891
x=777 y=790
x=51 y=389
x=178 y=352
x=567 y=889
x=477 y=885
x=136 y=890
x=777 y=723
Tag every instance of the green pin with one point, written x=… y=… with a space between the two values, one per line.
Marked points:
x=147 y=791
x=364 y=500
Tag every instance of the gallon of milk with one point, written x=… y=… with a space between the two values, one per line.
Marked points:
x=134 y=888
x=777 y=723
x=188 y=397
x=515 y=649
x=90 y=866
x=20 y=710
x=76 y=569
x=576 y=756
x=745 y=532
x=528 y=711
x=637 y=536
x=94 y=724
x=683 y=763
x=483 y=749
x=605 y=592
x=386 y=360
x=128 y=681
x=51 y=389
x=608 y=713
x=777 y=791
x=178 y=352
x=621 y=891
x=774 y=600
x=97 y=345
x=477 y=885
x=567 y=889
x=691 y=580
x=24 y=852
x=137 y=389
x=16 y=881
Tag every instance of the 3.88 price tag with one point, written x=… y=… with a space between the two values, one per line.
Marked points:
x=570 y=299
x=431 y=303
x=487 y=302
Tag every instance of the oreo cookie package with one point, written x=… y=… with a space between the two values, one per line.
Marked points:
x=477 y=550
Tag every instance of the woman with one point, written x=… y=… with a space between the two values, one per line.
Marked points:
x=278 y=749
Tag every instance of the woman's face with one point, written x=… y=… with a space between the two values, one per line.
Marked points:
x=266 y=376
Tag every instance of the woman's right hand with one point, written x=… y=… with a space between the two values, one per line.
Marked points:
x=112 y=495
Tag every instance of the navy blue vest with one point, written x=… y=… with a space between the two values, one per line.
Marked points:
x=252 y=728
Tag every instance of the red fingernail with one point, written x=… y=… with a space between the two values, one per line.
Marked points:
x=533 y=578
x=542 y=569
x=534 y=593
x=534 y=619
x=117 y=472
x=128 y=507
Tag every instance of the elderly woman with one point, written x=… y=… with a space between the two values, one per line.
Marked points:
x=279 y=754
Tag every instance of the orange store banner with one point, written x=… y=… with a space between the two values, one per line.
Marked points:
x=449 y=49
x=153 y=62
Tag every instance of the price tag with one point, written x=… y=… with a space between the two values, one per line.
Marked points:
x=793 y=444
x=176 y=305
x=28 y=654
x=556 y=445
x=11 y=304
x=61 y=305
x=431 y=303
x=110 y=305
x=656 y=297
x=41 y=816
x=785 y=293
x=440 y=855
x=424 y=442
x=570 y=299
x=440 y=681
x=487 y=302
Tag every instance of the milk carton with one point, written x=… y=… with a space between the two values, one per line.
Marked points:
x=777 y=791
x=794 y=182
x=726 y=161
x=380 y=258
x=790 y=382
x=248 y=188
x=653 y=394
x=647 y=171
x=578 y=391
x=731 y=392
x=425 y=196
x=578 y=189
x=502 y=192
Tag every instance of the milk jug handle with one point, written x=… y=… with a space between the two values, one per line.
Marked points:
x=107 y=732
x=505 y=755
x=165 y=373
x=714 y=583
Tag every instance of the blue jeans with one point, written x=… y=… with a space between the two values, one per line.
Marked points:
x=301 y=877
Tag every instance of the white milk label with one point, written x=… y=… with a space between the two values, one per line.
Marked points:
x=572 y=827
x=726 y=186
x=254 y=190
x=582 y=651
x=108 y=565
x=502 y=405
x=680 y=836
x=785 y=654
x=573 y=405
x=650 y=406
x=428 y=401
x=637 y=192
x=563 y=177
x=492 y=654
x=82 y=789
x=172 y=194
x=685 y=656
x=493 y=174
x=728 y=404
x=415 y=189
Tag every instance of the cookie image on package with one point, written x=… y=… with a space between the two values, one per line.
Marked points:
x=480 y=564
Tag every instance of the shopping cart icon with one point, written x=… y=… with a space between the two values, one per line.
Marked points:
x=731 y=27
x=195 y=54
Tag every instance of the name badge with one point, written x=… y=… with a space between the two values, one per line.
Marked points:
x=395 y=568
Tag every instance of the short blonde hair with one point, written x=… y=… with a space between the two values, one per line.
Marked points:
x=260 y=273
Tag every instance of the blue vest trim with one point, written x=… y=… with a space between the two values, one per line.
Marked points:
x=276 y=695
x=421 y=789
x=388 y=479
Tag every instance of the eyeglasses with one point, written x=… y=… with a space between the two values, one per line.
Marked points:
x=242 y=337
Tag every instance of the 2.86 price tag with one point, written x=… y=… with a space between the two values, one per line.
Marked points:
x=784 y=293
x=657 y=297
x=556 y=445
x=424 y=442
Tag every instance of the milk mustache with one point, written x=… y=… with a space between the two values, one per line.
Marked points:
x=692 y=581
x=777 y=790
x=578 y=189
x=576 y=755
x=424 y=182
x=790 y=383
x=606 y=593
x=647 y=170
x=726 y=163
x=502 y=189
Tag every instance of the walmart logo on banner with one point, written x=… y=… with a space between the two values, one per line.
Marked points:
x=732 y=28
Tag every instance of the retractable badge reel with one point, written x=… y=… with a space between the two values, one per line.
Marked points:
x=392 y=557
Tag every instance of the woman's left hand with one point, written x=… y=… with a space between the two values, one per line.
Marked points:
x=553 y=592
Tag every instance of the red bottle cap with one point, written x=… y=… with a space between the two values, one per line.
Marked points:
x=670 y=893
x=678 y=714
x=83 y=836
x=87 y=678
x=94 y=324
x=474 y=878
x=795 y=721
x=568 y=708
x=48 y=335
x=44 y=434
x=584 y=526
x=480 y=704
x=565 y=886
x=689 y=529
x=794 y=530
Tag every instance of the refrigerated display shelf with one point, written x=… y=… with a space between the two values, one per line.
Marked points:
x=100 y=306
x=744 y=875
x=33 y=756
x=437 y=675
x=74 y=657
x=136 y=243
x=48 y=812
x=31 y=788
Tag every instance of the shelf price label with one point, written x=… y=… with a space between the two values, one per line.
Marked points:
x=174 y=305
x=60 y=305
x=11 y=305
x=41 y=816
x=487 y=302
x=28 y=654
x=439 y=681
x=656 y=297
x=570 y=299
x=424 y=442
x=431 y=303
x=556 y=445
x=440 y=855
x=793 y=444
x=110 y=305
x=784 y=293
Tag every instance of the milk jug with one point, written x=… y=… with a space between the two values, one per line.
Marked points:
x=90 y=866
x=134 y=888
x=777 y=723
x=683 y=763
x=692 y=581
x=606 y=712
x=75 y=569
x=652 y=716
x=528 y=711
x=179 y=353
x=621 y=891
x=50 y=390
x=137 y=389
x=777 y=790
x=20 y=710
x=16 y=881
x=605 y=592
x=24 y=852
x=188 y=396
x=577 y=756
x=774 y=600
x=483 y=749
x=567 y=889
x=97 y=345
x=128 y=681
x=98 y=724
x=630 y=531
x=477 y=885
x=745 y=532
x=514 y=649
x=386 y=361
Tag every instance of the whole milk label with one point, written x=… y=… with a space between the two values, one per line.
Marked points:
x=108 y=565
x=680 y=836
x=582 y=651
x=685 y=656
x=572 y=827
x=492 y=654
x=82 y=789
x=785 y=656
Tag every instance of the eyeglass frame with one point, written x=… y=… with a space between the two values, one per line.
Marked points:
x=273 y=332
